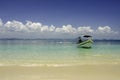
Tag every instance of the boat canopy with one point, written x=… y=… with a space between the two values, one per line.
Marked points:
x=87 y=36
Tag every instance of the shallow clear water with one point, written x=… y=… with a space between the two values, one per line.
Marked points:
x=57 y=52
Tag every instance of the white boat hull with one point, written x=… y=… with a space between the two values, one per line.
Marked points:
x=86 y=44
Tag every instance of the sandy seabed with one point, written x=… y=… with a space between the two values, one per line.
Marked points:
x=81 y=72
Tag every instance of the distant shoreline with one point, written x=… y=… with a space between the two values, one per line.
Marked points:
x=56 y=39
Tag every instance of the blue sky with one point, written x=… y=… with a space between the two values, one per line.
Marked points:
x=78 y=13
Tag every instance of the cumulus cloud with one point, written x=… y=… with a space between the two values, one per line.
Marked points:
x=38 y=30
x=85 y=29
x=105 y=30
x=1 y=23
x=15 y=26
x=66 y=29
x=33 y=26
x=52 y=28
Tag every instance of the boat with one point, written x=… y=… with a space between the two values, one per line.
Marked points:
x=86 y=42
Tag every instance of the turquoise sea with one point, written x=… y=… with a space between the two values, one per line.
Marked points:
x=57 y=52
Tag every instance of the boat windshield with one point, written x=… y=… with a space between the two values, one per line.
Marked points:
x=86 y=37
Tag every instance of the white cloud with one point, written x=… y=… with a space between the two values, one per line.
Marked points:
x=15 y=26
x=32 y=26
x=52 y=28
x=85 y=29
x=105 y=30
x=37 y=30
x=1 y=26
x=1 y=23
x=44 y=28
x=66 y=29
